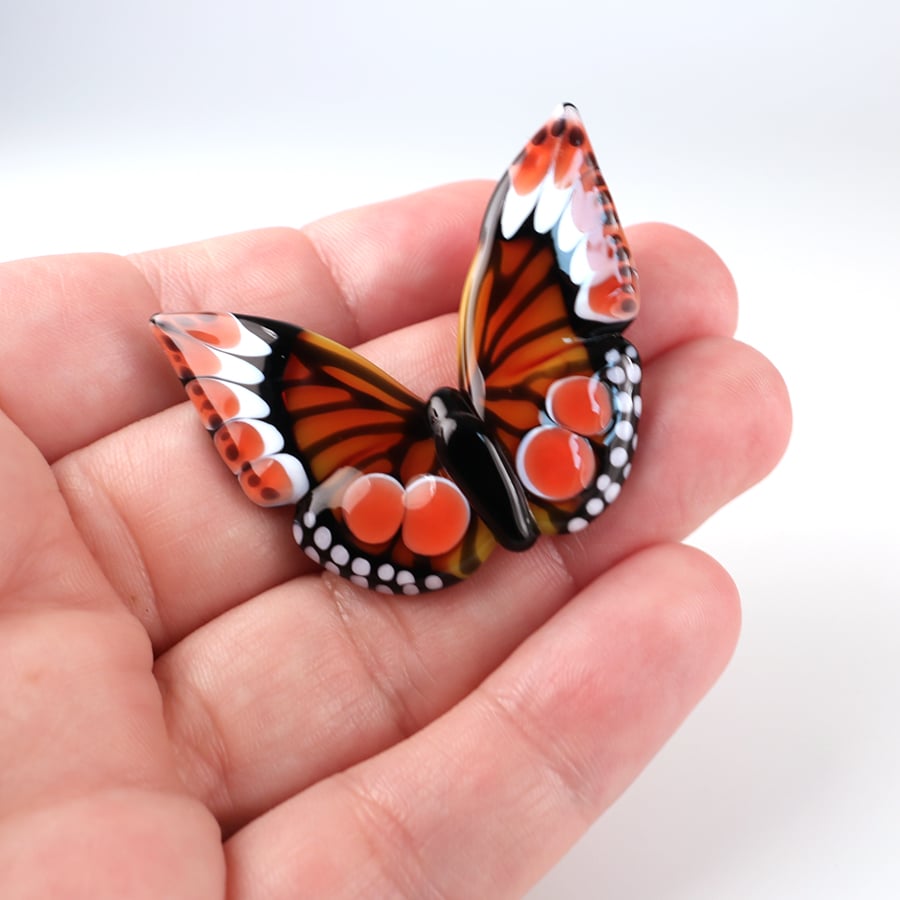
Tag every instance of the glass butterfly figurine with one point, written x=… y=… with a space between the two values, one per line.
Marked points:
x=404 y=495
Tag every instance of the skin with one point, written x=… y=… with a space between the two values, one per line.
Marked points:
x=193 y=710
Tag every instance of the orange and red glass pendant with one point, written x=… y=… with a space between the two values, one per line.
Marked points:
x=406 y=495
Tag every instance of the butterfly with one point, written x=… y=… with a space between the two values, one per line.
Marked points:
x=405 y=495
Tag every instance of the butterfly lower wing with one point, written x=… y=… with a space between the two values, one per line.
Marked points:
x=301 y=419
x=542 y=356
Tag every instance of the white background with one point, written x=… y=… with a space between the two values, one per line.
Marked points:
x=769 y=128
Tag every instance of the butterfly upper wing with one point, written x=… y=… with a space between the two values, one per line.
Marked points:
x=541 y=352
x=301 y=419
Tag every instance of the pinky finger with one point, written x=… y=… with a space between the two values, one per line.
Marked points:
x=484 y=800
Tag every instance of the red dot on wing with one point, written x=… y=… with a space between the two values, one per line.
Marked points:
x=266 y=482
x=437 y=516
x=170 y=348
x=555 y=463
x=198 y=359
x=568 y=164
x=373 y=507
x=239 y=443
x=581 y=404
x=607 y=299
x=217 y=329
x=529 y=171
x=214 y=398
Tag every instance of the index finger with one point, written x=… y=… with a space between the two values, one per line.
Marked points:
x=82 y=320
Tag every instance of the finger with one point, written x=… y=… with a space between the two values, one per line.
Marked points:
x=374 y=670
x=83 y=319
x=351 y=276
x=33 y=518
x=164 y=517
x=686 y=290
x=43 y=564
x=718 y=420
x=526 y=762
x=85 y=761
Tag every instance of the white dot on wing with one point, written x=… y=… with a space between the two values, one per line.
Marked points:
x=360 y=566
x=618 y=457
x=633 y=370
x=322 y=538
x=624 y=430
x=340 y=554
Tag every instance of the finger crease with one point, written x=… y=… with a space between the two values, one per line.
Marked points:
x=405 y=721
x=201 y=751
x=558 y=562
x=563 y=770
x=342 y=291
x=139 y=596
x=393 y=848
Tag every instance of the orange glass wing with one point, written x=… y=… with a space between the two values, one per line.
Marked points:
x=299 y=419
x=346 y=412
x=548 y=295
x=380 y=511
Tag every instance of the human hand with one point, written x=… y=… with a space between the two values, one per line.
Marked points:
x=193 y=709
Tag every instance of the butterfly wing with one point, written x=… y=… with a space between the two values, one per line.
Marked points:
x=542 y=355
x=302 y=420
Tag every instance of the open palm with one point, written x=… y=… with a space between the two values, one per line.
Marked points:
x=191 y=709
